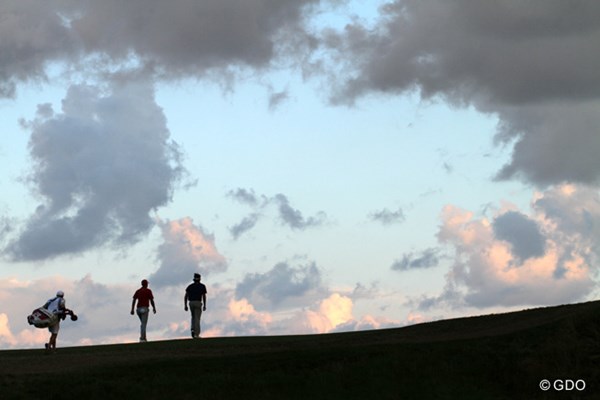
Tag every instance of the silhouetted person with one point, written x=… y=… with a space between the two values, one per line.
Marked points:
x=196 y=295
x=144 y=298
x=56 y=306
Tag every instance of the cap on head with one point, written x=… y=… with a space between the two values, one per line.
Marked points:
x=60 y=293
x=144 y=283
x=196 y=277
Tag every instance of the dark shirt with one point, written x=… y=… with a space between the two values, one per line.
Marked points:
x=143 y=296
x=195 y=291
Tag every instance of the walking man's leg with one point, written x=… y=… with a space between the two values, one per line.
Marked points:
x=53 y=329
x=196 y=311
x=143 y=312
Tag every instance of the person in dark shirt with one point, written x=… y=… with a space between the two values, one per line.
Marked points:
x=195 y=294
x=144 y=298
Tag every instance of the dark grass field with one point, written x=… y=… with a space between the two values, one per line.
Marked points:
x=503 y=356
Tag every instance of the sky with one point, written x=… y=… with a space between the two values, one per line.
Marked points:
x=326 y=165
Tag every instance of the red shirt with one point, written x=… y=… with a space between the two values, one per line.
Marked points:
x=143 y=296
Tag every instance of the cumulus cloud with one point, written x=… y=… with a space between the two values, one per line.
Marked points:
x=179 y=39
x=186 y=249
x=496 y=271
x=207 y=34
x=287 y=214
x=553 y=142
x=335 y=313
x=428 y=258
x=522 y=233
x=245 y=320
x=25 y=337
x=332 y=312
x=283 y=285
x=512 y=59
x=228 y=314
x=33 y=36
x=99 y=168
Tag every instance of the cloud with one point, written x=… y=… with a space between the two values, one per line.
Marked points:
x=514 y=270
x=521 y=233
x=8 y=339
x=288 y=215
x=100 y=168
x=186 y=249
x=208 y=34
x=335 y=313
x=245 y=225
x=277 y=98
x=247 y=196
x=212 y=36
x=33 y=36
x=293 y=218
x=6 y=226
x=245 y=320
x=283 y=285
x=367 y=322
x=387 y=217
x=104 y=317
x=428 y=258
x=107 y=303
x=332 y=312
x=574 y=209
x=552 y=142
x=511 y=59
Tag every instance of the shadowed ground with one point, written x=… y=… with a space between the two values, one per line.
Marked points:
x=487 y=357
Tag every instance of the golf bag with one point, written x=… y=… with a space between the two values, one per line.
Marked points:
x=42 y=318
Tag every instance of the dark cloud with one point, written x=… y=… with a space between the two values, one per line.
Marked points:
x=387 y=217
x=534 y=64
x=100 y=168
x=281 y=284
x=428 y=258
x=188 y=37
x=288 y=215
x=246 y=224
x=555 y=142
x=33 y=36
x=246 y=196
x=177 y=39
x=293 y=217
x=504 y=52
x=521 y=233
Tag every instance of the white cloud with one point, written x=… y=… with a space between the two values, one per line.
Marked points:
x=186 y=249
x=487 y=271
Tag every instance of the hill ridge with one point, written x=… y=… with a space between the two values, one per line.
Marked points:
x=481 y=357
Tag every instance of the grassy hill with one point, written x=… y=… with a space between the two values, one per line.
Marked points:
x=502 y=356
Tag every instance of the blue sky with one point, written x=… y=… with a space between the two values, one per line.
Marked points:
x=326 y=165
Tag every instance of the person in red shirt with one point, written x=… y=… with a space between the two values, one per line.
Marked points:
x=144 y=299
